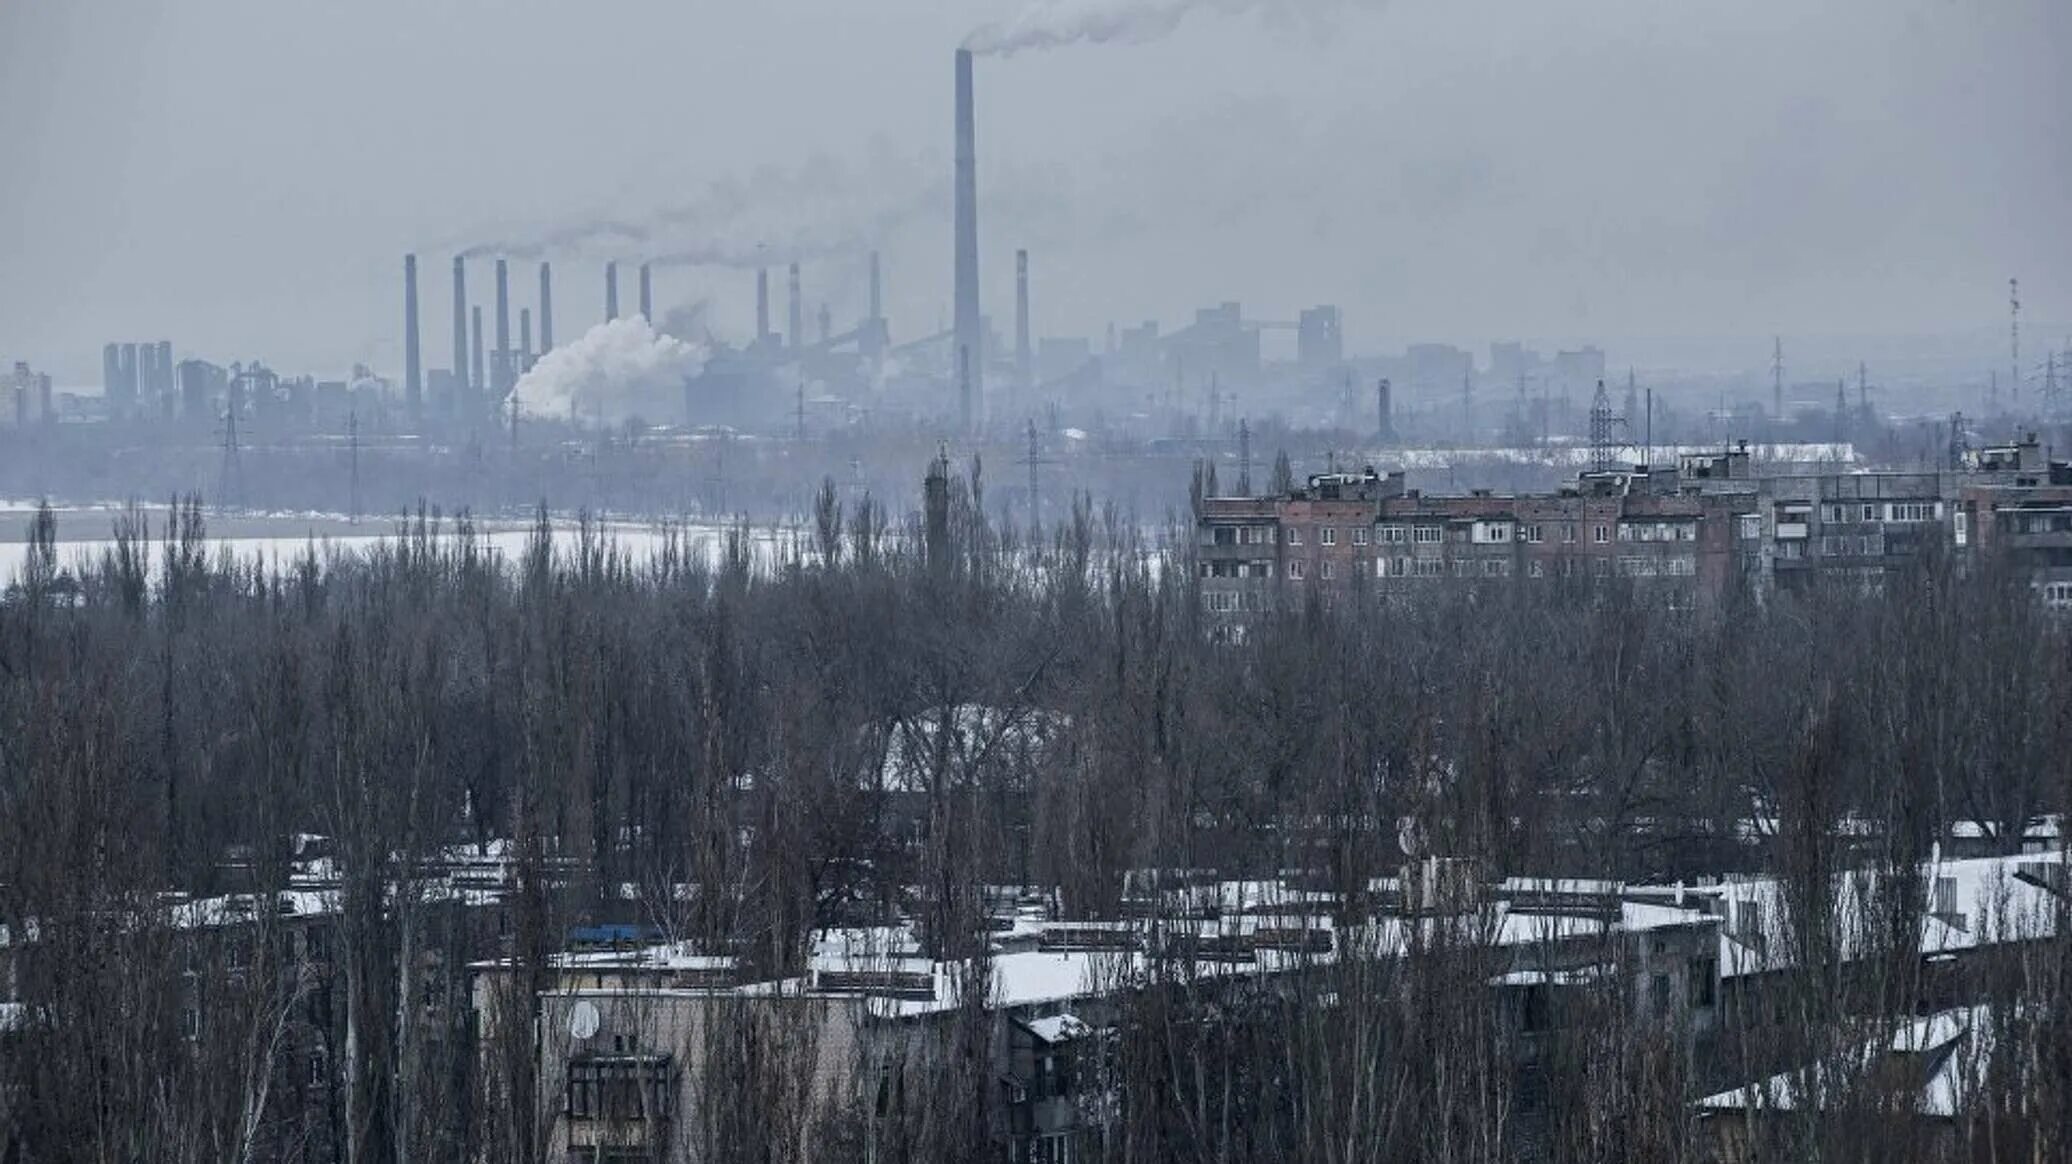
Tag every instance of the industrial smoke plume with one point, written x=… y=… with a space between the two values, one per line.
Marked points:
x=820 y=207
x=618 y=370
x=1049 y=24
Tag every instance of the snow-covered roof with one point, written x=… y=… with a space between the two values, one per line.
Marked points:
x=1951 y=1048
x=1058 y=1028
x=1992 y=903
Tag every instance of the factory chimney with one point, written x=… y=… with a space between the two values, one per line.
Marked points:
x=476 y=385
x=968 y=359
x=461 y=375
x=1021 y=320
x=647 y=294
x=877 y=290
x=546 y=308
x=1385 y=406
x=524 y=339
x=413 y=376
x=611 y=291
x=762 y=304
x=501 y=381
x=797 y=334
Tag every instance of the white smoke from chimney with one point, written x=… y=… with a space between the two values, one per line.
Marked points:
x=617 y=371
x=1049 y=24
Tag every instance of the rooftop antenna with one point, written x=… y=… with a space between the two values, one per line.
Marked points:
x=1602 y=426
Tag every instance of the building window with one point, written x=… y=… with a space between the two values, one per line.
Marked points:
x=1601 y=534
x=1536 y=569
x=1360 y=535
x=1870 y=513
x=1496 y=568
x=1294 y=535
x=1398 y=567
x=1568 y=532
x=1295 y=569
x=1702 y=982
x=1393 y=534
x=1960 y=524
x=1914 y=511
x=1429 y=535
x=1751 y=526
x=1328 y=570
x=1055 y=1148
x=1461 y=567
x=1430 y=567
x=1532 y=534
x=1330 y=537
x=623 y=1087
x=1658 y=993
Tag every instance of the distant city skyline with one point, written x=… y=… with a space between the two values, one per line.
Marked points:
x=1603 y=171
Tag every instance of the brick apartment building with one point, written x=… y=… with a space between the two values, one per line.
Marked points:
x=1691 y=530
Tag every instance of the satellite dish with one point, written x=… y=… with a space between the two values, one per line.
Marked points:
x=583 y=1020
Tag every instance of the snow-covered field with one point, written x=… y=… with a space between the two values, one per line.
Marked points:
x=281 y=539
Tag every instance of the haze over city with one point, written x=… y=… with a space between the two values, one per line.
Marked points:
x=1035 y=581
x=241 y=174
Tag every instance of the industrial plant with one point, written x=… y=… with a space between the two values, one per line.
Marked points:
x=829 y=670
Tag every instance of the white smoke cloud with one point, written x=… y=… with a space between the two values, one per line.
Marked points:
x=1049 y=24
x=617 y=371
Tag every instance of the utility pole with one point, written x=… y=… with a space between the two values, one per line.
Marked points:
x=1035 y=508
x=1244 y=457
x=1777 y=382
x=352 y=430
x=2014 y=338
x=231 y=478
x=1467 y=404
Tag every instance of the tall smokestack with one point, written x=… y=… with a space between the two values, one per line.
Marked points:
x=1386 y=407
x=413 y=377
x=969 y=360
x=797 y=334
x=546 y=308
x=611 y=291
x=762 y=304
x=462 y=377
x=524 y=339
x=501 y=381
x=479 y=382
x=1021 y=319
x=647 y=294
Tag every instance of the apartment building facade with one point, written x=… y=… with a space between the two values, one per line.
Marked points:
x=1690 y=531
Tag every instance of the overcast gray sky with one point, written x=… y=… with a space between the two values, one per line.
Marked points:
x=242 y=176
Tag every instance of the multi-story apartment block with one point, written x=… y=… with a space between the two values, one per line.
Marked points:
x=1690 y=531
